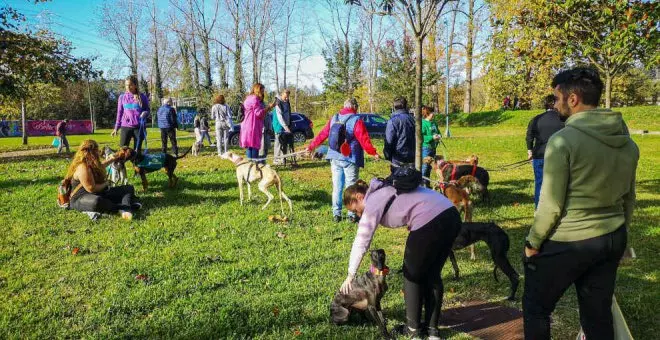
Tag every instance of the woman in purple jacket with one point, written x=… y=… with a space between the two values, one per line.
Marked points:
x=253 y=123
x=433 y=222
x=131 y=106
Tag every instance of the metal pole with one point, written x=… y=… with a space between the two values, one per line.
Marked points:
x=447 y=133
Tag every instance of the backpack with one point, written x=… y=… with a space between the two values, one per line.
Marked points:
x=64 y=193
x=404 y=179
x=337 y=139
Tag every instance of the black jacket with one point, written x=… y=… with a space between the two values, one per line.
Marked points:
x=400 y=138
x=539 y=131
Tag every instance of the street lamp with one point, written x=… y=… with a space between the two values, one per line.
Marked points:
x=447 y=133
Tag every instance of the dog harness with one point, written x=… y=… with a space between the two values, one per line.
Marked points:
x=452 y=177
x=152 y=161
x=252 y=164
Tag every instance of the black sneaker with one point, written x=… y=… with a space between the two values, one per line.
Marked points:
x=337 y=218
x=403 y=330
x=433 y=333
x=136 y=206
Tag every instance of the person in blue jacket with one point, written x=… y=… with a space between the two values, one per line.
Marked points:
x=400 y=135
x=168 y=124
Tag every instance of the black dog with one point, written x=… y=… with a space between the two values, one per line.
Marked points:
x=368 y=290
x=144 y=164
x=498 y=243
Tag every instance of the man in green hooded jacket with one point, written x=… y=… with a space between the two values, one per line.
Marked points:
x=586 y=204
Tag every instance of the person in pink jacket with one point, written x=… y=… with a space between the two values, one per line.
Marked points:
x=253 y=124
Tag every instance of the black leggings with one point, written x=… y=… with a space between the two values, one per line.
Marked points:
x=426 y=252
x=128 y=133
x=109 y=201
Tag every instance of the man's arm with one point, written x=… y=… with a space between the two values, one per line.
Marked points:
x=556 y=173
x=362 y=135
x=390 y=138
x=530 y=134
x=320 y=138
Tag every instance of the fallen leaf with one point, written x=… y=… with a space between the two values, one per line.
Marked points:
x=276 y=311
x=280 y=234
x=159 y=194
x=141 y=277
x=451 y=289
x=296 y=332
x=515 y=204
x=401 y=292
x=75 y=251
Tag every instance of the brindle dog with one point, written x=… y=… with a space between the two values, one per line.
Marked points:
x=368 y=289
x=498 y=243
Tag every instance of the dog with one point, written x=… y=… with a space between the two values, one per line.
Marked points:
x=144 y=164
x=368 y=289
x=460 y=197
x=196 y=147
x=117 y=169
x=248 y=172
x=498 y=243
x=448 y=171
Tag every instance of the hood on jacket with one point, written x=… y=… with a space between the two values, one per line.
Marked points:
x=374 y=185
x=602 y=124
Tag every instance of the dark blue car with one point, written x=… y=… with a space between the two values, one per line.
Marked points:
x=375 y=124
x=302 y=130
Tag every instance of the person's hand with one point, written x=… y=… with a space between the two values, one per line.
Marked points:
x=529 y=252
x=529 y=154
x=347 y=286
x=113 y=133
x=437 y=136
x=286 y=128
x=377 y=157
x=309 y=148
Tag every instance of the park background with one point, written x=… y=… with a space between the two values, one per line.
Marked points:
x=196 y=264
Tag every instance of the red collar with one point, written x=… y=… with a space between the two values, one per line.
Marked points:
x=378 y=272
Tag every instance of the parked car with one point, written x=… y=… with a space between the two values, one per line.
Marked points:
x=302 y=129
x=375 y=124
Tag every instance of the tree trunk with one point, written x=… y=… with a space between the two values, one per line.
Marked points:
x=207 y=63
x=91 y=110
x=608 y=90
x=24 y=122
x=193 y=52
x=469 y=50
x=418 y=103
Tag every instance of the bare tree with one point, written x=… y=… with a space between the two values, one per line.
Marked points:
x=418 y=16
x=158 y=81
x=235 y=9
x=375 y=31
x=258 y=16
x=122 y=30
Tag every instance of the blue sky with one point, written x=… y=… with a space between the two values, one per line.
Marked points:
x=75 y=20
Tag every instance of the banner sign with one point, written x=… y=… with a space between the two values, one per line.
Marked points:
x=186 y=116
x=47 y=127
x=10 y=128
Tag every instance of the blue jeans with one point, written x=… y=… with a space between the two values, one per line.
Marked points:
x=426 y=168
x=343 y=174
x=252 y=153
x=537 y=164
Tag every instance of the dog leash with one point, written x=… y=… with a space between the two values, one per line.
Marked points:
x=514 y=165
x=277 y=157
x=398 y=166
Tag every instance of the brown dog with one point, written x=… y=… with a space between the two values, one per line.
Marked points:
x=448 y=171
x=458 y=192
x=248 y=172
x=144 y=164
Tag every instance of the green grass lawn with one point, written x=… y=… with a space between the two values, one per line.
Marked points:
x=214 y=269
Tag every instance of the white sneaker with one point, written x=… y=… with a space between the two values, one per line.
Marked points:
x=93 y=215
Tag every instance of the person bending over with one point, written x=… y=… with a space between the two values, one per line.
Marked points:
x=433 y=223
x=91 y=192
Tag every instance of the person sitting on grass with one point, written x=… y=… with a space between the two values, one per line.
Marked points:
x=433 y=222
x=91 y=193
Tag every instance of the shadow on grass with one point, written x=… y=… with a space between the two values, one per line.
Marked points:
x=313 y=199
x=507 y=193
x=37 y=157
x=22 y=183
x=484 y=118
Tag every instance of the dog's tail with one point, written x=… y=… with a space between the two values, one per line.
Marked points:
x=184 y=154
